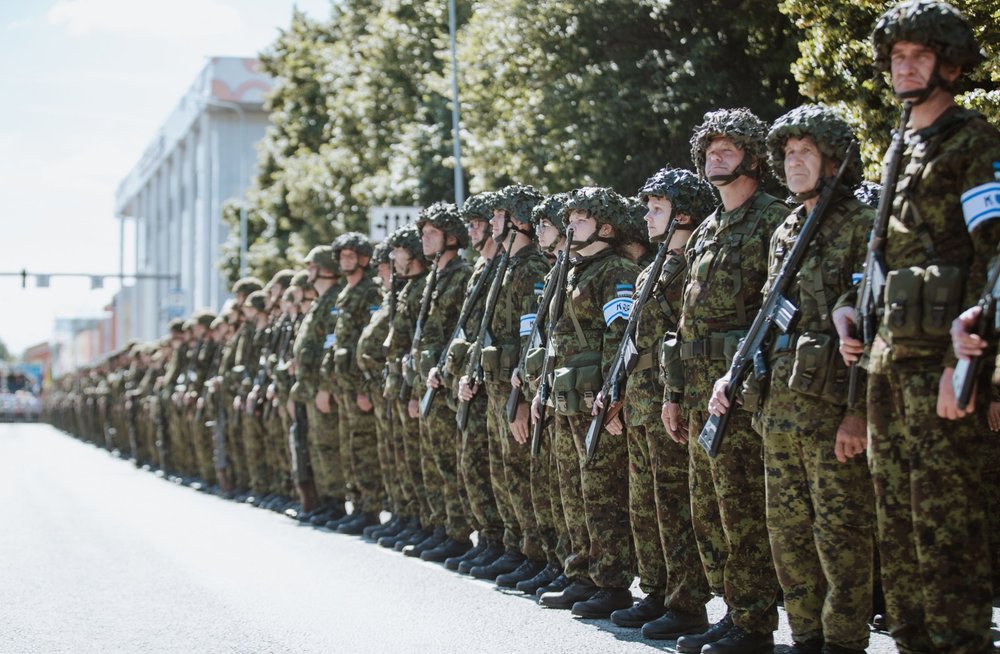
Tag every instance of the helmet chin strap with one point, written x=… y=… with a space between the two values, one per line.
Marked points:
x=576 y=246
x=919 y=96
x=744 y=168
x=659 y=238
x=816 y=190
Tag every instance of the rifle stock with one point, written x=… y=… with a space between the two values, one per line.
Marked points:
x=409 y=361
x=967 y=371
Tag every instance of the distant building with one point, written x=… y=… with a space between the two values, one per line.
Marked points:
x=202 y=156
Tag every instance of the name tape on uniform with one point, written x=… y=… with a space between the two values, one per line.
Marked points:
x=527 y=324
x=981 y=204
x=618 y=308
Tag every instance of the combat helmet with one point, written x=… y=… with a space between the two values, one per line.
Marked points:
x=322 y=256
x=282 y=278
x=445 y=216
x=479 y=207
x=688 y=193
x=247 y=285
x=517 y=201
x=301 y=279
x=256 y=300
x=937 y=25
x=741 y=127
x=380 y=253
x=868 y=193
x=408 y=238
x=634 y=228
x=354 y=241
x=602 y=204
x=831 y=134
x=551 y=209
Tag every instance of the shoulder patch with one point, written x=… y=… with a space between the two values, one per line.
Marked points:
x=624 y=290
x=620 y=307
x=330 y=341
x=539 y=287
x=982 y=203
x=527 y=323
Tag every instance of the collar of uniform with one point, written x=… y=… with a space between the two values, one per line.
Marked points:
x=948 y=118
x=581 y=262
x=725 y=219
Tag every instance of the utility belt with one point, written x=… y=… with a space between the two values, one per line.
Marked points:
x=920 y=303
x=458 y=354
x=576 y=385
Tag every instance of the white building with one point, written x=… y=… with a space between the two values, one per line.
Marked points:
x=202 y=156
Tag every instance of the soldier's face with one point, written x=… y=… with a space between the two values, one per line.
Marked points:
x=547 y=233
x=400 y=260
x=657 y=215
x=722 y=157
x=432 y=240
x=198 y=331
x=582 y=224
x=803 y=164
x=912 y=66
x=498 y=222
x=385 y=274
x=313 y=272
x=348 y=261
x=477 y=230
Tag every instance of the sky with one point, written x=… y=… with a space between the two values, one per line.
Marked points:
x=85 y=86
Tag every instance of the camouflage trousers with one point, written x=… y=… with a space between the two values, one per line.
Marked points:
x=298 y=446
x=474 y=473
x=820 y=519
x=930 y=513
x=576 y=565
x=434 y=483
x=729 y=491
x=406 y=444
x=660 y=513
x=236 y=447
x=203 y=446
x=545 y=502
x=359 y=456
x=324 y=454
x=386 y=456
x=254 y=449
x=276 y=433
x=510 y=469
x=439 y=436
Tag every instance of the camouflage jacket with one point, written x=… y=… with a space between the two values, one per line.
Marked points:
x=404 y=323
x=370 y=354
x=314 y=337
x=355 y=306
x=727 y=267
x=657 y=316
x=446 y=305
x=835 y=256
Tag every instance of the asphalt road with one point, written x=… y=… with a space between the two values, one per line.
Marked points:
x=97 y=556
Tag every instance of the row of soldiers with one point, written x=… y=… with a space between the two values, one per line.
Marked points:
x=564 y=394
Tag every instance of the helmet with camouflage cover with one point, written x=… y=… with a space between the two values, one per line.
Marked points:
x=689 y=195
x=408 y=238
x=322 y=256
x=478 y=207
x=551 y=210
x=256 y=300
x=247 y=285
x=517 y=201
x=204 y=317
x=634 y=228
x=445 y=216
x=301 y=279
x=602 y=204
x=868 y=193
x=282 y=278
x=741 y=127
x=380 y=254
x=355 y=241
x=831 y=134
x=176 y=326
x=931 y=23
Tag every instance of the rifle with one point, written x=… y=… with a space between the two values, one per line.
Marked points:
x=873 y=282
x=458 y=333
x=627 y=355
x=262 y=379
x=474 y=371
x=393 y=294
x=535 y=339
x=409 y=360
x=966 y=372
x=549 y=363
x=299 y=437
x=286 y=328
x=775 y=312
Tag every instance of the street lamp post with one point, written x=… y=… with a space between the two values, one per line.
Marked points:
x=234 y=106
x=459 y=178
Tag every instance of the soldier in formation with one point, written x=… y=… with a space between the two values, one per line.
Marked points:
x=533 y=388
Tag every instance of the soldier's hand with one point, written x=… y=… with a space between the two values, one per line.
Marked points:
x=466 y=390
x=272 y=391
x=290 y=364
x=967 y=344
x=718 y=404
x=434 y=378
x=993 y=416
x=413 y=408
x=520 y=428
x=237 y=403
x=946 y=402
x=290 y=406
x=852 y=438
x=515 y=378
x=844 y=321
x=364 y=402
x=670 y=414
x=536 y=409
x=323 y=401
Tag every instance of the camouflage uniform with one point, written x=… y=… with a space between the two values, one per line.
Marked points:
x=927 y=470
x=370 y=356
x=727 y=264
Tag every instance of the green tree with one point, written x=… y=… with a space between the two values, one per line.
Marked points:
x=836 y=66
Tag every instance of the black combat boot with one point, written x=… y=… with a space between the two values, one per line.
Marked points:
x=693 y=643
x=645 y=610
x=674 y=624
x=453 y=562
x=525 y=571
x=409 y=527
x=494 y=550
x=579 y=590
x=437 y=537
x=393 y=526
x=417 y=536
x=603 y=603
x=545 y=577
x=557 y=585
x=449 y=548
x=357 y=526
x=334 y=523
x=509 y=562
x=740 y=641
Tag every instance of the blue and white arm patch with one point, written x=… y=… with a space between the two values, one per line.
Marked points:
x=981 y=204
x=539 y=287
x=619 y=307
x=527 y=324
x=624 y=290
x=330 y=341
x=373 y=308
x=856 y=278
x=334 y=311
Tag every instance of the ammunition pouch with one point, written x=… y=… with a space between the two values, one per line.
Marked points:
x=427 y=361
x=534 y=361
x=819 y=370
x=498 y=363
x=576 y=385
x=671 y=365
x=921 y=302
x=458 y=352
x=409 y=370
